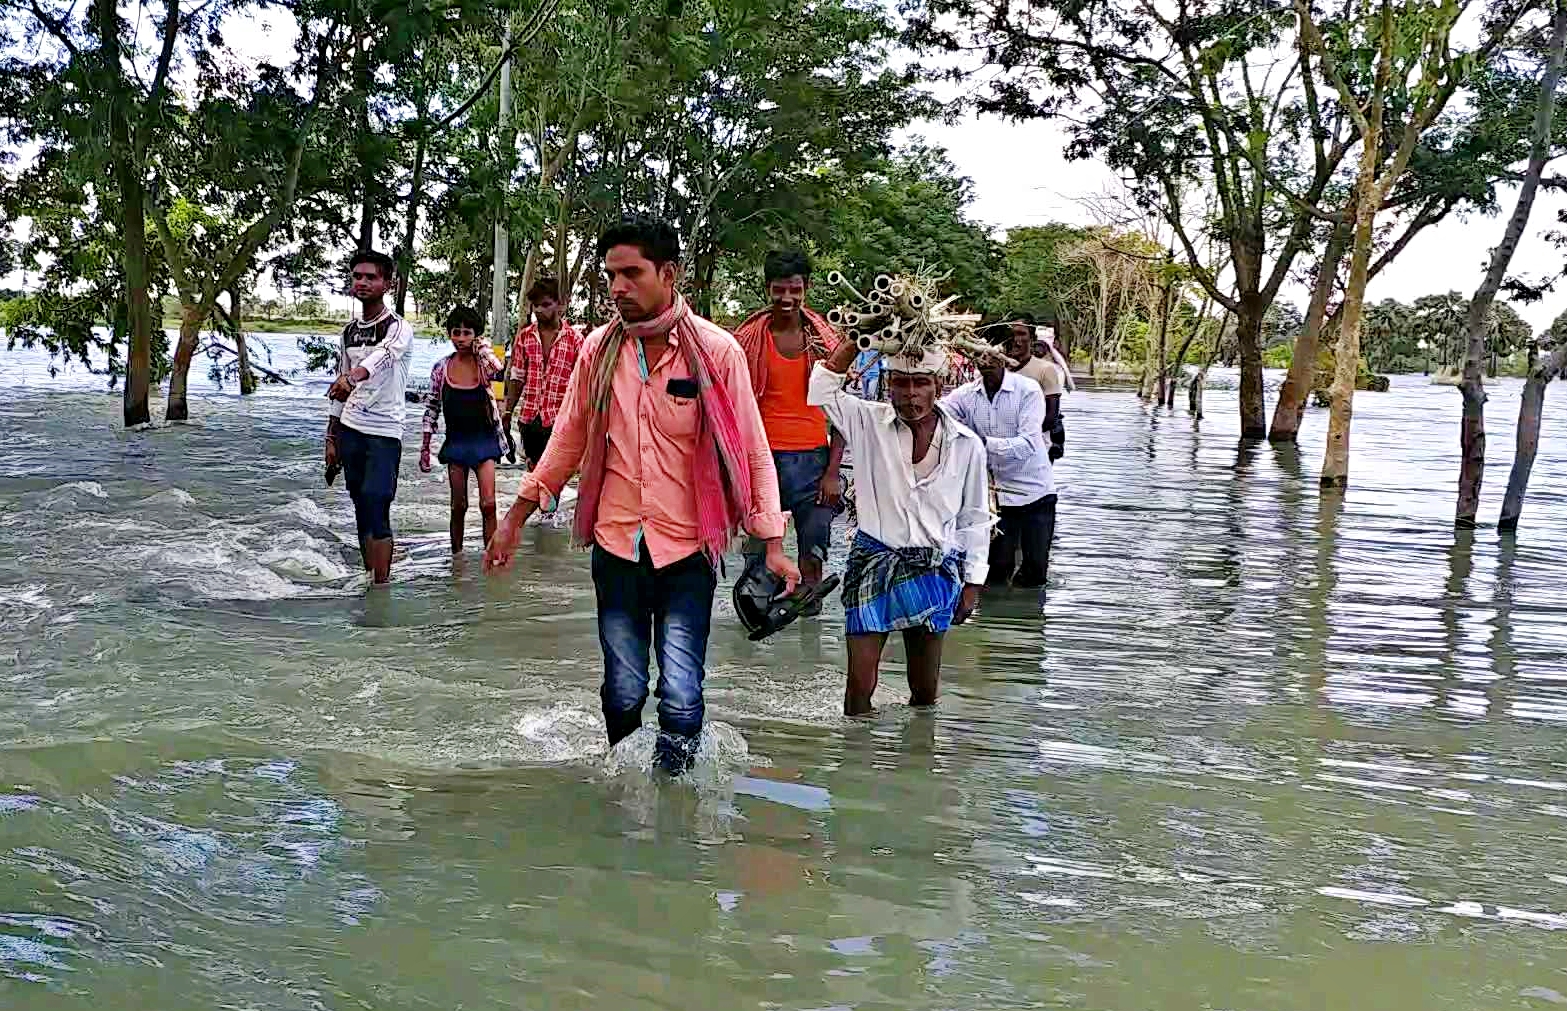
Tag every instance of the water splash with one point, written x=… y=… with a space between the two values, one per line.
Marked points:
x=722 y=755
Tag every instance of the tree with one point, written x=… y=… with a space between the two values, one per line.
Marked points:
x=233 y=170
x=1543 y=370
x=1472 y=430
x=72 y=253
x=1281 y=324
x=1416 y=74
x=1120 y=280
x=1204 y=95
x=94 y=110
x=907 y=213
x=1035 y=277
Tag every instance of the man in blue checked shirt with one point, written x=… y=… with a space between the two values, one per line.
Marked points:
x=1007 y=411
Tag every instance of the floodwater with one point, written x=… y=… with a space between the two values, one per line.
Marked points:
x=1264 y=751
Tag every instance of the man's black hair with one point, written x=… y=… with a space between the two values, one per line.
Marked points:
x=382 y=262
x=464 y=316
x=1023 y=317
x=782 y=263
x=544 y=287
x=656 y=238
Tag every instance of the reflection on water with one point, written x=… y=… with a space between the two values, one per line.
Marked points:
x=1265 y=749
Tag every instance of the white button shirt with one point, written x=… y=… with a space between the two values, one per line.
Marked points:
x=1012 y=426
x=949 y=510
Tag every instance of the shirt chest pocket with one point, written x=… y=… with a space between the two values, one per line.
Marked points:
x=676 y=410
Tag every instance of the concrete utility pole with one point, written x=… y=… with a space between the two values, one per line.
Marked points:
x=500 y=322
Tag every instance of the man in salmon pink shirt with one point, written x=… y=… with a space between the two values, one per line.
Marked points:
x=659 y=419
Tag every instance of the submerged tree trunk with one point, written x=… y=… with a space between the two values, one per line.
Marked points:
x=128 y=179
x=1530 y=409
x=1291 y=408
x=247 y=378
x=1346 y=364
x=191 y=318
x=1180 y=355
x=133 y=257
x=1248 y=337
x=1164 y=343
x=1472 y=430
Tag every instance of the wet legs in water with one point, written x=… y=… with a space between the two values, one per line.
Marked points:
x=370 y=471
x=923 y=650
x=1033 y=527
x=666 y=611
x=457 y=477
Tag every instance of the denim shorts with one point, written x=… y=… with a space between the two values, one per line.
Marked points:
x=799 y=475
x=370 y=465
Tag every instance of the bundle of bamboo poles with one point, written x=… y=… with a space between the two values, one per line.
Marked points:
x=903 y=315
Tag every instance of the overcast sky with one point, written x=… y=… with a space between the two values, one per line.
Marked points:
x=1021 y=178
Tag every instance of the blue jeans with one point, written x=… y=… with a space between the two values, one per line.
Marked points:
x=670 y=609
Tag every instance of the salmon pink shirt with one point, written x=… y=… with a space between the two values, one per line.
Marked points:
x=649 y=496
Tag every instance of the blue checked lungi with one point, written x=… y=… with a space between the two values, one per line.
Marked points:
x=888 y=589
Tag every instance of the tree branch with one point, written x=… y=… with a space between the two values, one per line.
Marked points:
x=57 y=29
x=1308 y=31
x=171 y=36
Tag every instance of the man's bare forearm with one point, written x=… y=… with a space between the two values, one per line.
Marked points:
x=835 y=445
x=842 y=357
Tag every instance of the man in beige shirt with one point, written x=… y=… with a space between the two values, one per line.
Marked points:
x=1043 y=371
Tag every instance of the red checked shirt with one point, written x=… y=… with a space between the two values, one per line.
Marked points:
x=543 y=383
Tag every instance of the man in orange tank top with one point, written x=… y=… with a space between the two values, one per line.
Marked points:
x=782 y=343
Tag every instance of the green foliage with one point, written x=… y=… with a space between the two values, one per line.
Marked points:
x=1035 y=277
x=1281 y=324
x=1431 y=333
x=907 y=212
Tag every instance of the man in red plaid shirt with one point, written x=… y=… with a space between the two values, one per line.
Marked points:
x=539 y=369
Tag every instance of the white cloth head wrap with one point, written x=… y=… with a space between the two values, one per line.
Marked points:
x=932 y=362
x=1048 y=335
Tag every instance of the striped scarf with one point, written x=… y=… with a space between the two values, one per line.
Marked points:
x=721 y=469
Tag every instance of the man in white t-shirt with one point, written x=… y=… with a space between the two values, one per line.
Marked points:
x=364 y=436
x=1045 y=372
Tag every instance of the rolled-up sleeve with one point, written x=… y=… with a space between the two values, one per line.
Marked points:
x=766 y=519
x=432 y=398
x=491 y=364
x=568 y=439
x=847 y=413
x=975 y=521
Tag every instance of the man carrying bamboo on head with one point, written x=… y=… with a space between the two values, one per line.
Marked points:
x=921 y=553
x=781 y=343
